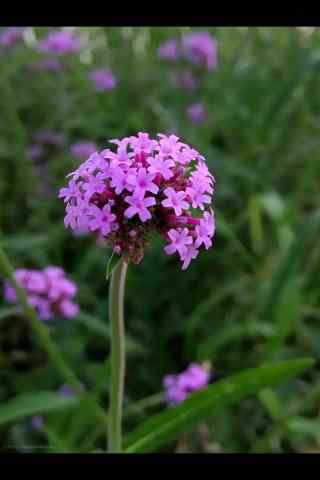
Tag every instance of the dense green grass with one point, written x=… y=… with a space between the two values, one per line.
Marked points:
x=251 y=299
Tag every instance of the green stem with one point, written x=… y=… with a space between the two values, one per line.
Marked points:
x=116 y=298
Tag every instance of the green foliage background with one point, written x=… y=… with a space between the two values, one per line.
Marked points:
x=251 y=299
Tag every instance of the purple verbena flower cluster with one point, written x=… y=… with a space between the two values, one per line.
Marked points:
x=11 y=36
x=103 y=79
x=196 y=48
x=185 y=80
x=147 y=185
x=60 y=42
x=43 y=139
x=49 y=137
x=83 y=149
x=48 y=65
x=49 y=291
x=200 y=49
x=196 y=112
x=178 y=387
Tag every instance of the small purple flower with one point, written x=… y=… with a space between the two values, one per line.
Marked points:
x=49 y=137
x=179 y=387
x=48 y=65
x=200 y=49
x=102 y=219
x=59 y=43
x=37 y=422
x=35 y=151
x=48 y=291
x=175 y=200
x=186 y=80
x=159 y=164
x=169 y=50
x=144 y=182
x=138 y=206
x=83 y=149
x=196 y=112
x=180 y=239
x=11 y=35
x=103 y=79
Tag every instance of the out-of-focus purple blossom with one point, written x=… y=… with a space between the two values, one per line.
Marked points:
x=49 y=291
x=37 y=422
x=48 y=65
x=83 y=149
x=178 y=387
x=200 y=49
x=66 y=391
x=11 y=35
x=50 y=137
x=35 y=151
x=196 y=112
x=186 y=80
x=60 y=42
x=169 y=50
x=103 y=79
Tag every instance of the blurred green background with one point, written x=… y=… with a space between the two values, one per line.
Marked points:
x=254 y=297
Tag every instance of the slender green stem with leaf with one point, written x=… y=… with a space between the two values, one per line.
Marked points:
x=116 y=298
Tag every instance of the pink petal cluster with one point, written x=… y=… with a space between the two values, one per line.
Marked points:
x=145 y=185
x=178 y=387
x=48 y=65
x=49 y=137
x=11 y=35
x=185 y=80
x=197 y=48
x=60 y=42
x=83 y=149
x=103 y=79
x=169 y=50
x=196 y=112
x=49 y=291
x=35 y=151
x=200 y=49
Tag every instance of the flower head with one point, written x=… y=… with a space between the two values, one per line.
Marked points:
x=11 y=35
x=103 y=79
x=60 y=42
x=197 y=48
x=143 y=185
x=178 y=387
x=49 y=137
x=169 y=50
x=83 y=149
x=200 y=49
x=49 y=291
x=196 y=112
x=48 y=65
x=185 y=80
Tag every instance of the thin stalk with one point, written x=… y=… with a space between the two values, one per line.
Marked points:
x=116 y=298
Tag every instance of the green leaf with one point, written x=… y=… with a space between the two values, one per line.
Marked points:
x=28 y=404
x=288 y=266
x=304 y=426
x=112 y=262
x=166 y=426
